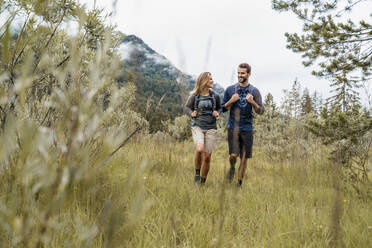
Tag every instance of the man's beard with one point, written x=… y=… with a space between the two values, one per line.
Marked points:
x=242 y=80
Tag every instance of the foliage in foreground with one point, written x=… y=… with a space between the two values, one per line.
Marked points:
x=61 y=116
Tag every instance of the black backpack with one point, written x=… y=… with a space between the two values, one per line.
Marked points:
x=236 y=89
x=211 y=95
x=237 y=86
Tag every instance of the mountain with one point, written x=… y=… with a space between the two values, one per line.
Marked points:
x=156 y=78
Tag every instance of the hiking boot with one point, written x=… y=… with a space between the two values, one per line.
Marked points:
x=239 y=184
x=197 y=179
x=230 y=174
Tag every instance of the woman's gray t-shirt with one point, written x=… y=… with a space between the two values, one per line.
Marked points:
x=204 y=119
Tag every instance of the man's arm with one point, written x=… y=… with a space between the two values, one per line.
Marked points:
x=256 y=102
x=225 y=99
x=228 y=101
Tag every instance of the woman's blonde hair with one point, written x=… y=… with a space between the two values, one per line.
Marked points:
x=201 y=83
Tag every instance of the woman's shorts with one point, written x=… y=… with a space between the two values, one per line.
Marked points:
x=208 y=138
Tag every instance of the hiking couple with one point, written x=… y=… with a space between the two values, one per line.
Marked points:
x=204 y=106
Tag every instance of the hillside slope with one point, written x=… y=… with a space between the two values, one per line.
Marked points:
x=156 y=77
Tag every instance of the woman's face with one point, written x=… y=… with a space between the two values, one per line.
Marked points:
x=210 y=81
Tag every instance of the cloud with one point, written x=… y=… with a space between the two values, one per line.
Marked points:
x=158 y=59
x=126 y=49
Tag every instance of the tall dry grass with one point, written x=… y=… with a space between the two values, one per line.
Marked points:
x=145 y=197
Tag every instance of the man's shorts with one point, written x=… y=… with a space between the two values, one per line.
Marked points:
x=240 y=142
x=208 y=138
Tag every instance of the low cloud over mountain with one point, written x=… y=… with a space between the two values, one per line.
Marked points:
x=135 y=52
x=157 y=79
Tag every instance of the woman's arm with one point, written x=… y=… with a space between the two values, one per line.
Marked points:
x=189 y=106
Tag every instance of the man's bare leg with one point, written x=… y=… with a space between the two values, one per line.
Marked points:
x=242 y=168
x=232 y=159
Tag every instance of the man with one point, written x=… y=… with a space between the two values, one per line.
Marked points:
x=241 y=99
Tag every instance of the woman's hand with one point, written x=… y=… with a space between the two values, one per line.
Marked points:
x=215 y=113
x=194 y=114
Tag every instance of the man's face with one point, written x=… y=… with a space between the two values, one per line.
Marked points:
x=242 y=75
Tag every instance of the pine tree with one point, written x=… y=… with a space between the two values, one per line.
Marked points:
x=341 y=49
x=306 y=103
x=317 y=102
x=291 y=103
x=349 y=136
x=270 y=106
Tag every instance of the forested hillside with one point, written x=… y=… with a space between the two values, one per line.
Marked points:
x=162 y=89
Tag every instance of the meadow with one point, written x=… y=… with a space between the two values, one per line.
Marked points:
x=145 y=197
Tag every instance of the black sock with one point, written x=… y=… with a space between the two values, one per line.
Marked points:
x=197 y=172
x=240 y=182
x=202 y=180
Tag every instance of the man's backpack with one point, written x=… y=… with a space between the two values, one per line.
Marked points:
x=237 y=88
x=250 y=91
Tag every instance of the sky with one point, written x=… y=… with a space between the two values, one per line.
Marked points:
x=218 y=35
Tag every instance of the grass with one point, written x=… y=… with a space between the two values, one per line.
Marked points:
x=145 y=197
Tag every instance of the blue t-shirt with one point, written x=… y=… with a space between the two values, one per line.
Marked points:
x=241 y=111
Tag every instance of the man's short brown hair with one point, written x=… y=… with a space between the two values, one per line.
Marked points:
x=246 y=66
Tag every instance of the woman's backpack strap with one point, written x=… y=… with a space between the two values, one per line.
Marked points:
x=214 y=103
x=196 y=99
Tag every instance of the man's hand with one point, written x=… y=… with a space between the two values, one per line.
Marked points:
x=254 y=104
x=215 y=114
x=234 y=98
x=249 y=98
x=194 y=114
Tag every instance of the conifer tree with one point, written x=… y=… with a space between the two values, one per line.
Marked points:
x=342 y=51
x=340 y=47
x=270 y=107
x=306 y=103
x=291 y=103
x=317 y=102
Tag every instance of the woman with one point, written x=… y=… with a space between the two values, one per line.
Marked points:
x=204 y=106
